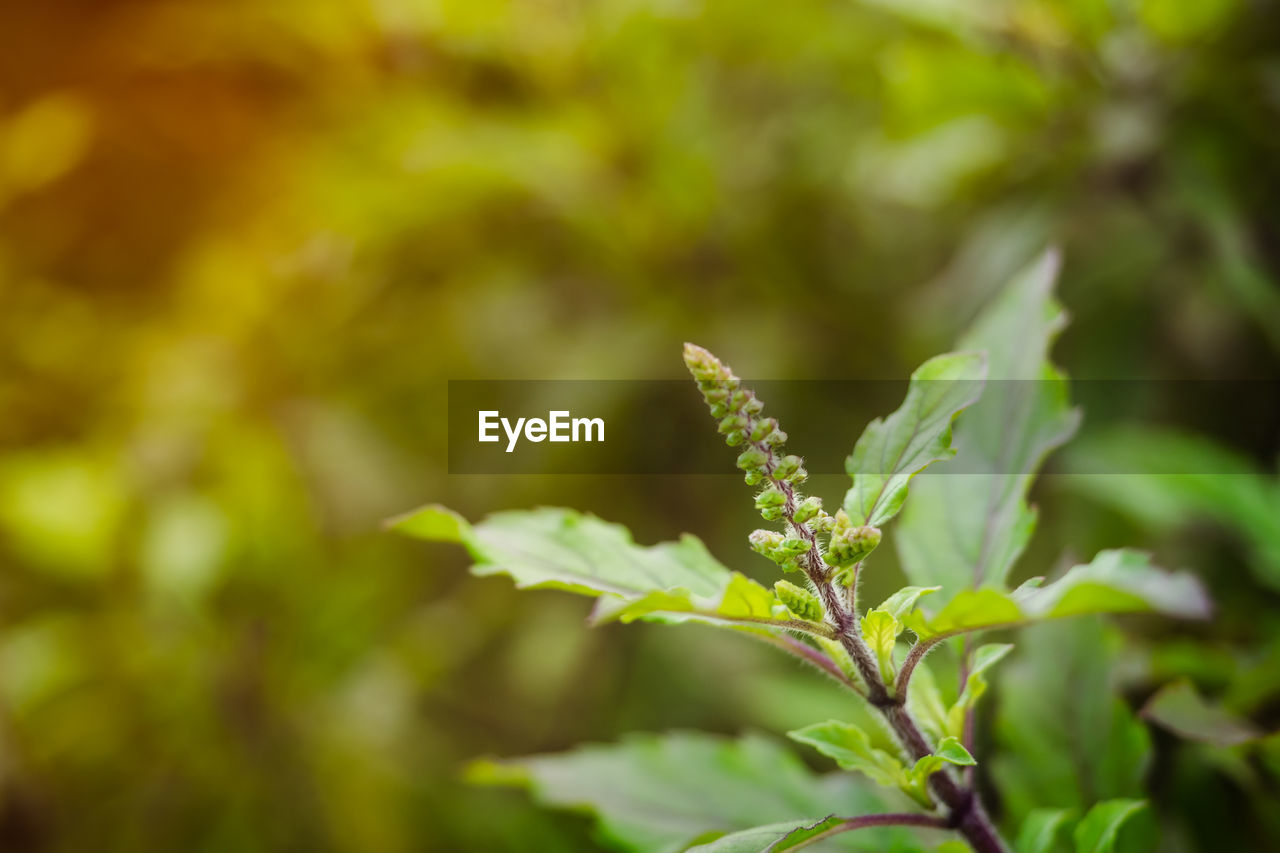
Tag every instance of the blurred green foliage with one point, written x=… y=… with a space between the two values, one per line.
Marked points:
x=244 y=244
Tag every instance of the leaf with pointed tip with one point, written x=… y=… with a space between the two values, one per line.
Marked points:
x=880 y=630
x=1099 y=830
x=661 y=793
x=1181 y=709
x=949 y=751
x=773 y=838
x=576 y=552
x=967 y=528
x=894 y=449
x=904 y=600
x=1117 y=581
x=850 y=747
x=1041 y=829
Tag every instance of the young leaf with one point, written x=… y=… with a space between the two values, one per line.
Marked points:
x=1179 y=708
x=1117 y=581
x=894 y=449
x=904 y=600
x=1065 y=738
x=563 y=549
x=773 y=838
x=967 y=529
x=664 y=792
x=852 y=750
x=1041 y=829
x=949 y=751
x=880 y=630
x=975 y=684
x=1099 y=830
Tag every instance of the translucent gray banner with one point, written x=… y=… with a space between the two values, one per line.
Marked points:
x=648 y=427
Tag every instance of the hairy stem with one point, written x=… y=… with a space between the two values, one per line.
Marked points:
x=917 y=653
x=870 y=820
x=966 y=813
x=810 y=655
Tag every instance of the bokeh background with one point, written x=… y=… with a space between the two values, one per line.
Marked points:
x=244 y=244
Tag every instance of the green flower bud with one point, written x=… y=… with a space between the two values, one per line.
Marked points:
x=773 y=513
x=809 y=508
x=735 y=438
x=733 y=423
x=751 y=460
x=787 y=467
x=719 y=410
x=762 y=428
x=801 y=602
x=771 y=497
x=850 y=545
x=753 y=407
x=822 y=523
x=707 y=368
x=738 y=399
x=793 y=546
x=765 y=542
x=777 y=438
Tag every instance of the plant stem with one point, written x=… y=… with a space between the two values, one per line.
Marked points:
x=867 y=821
x=966 y=812
x=810 y=655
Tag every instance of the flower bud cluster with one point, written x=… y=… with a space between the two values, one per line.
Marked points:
x=763 y=463
x=849 y=544
x=802 y=603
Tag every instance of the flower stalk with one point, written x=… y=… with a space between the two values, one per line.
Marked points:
x=832 y=573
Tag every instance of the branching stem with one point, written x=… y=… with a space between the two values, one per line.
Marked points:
x=870 y=820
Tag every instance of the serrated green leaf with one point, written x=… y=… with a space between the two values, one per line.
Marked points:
x=562 y=549
x=967 y=529
x=851 y=748
x=1041 y=829
x=948 y=751
x=969 y=610
x=1065 y=737
x=773 y=838
x=894 y=449
x=661 y=793
x=1118 y=581
x=880 y=630
x=975 y=684
x=1181 y=709
x=434 y=523
x=952 y=751
x=1099 y=830
x=904 y=600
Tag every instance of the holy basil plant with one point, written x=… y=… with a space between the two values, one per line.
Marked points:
x=958 y=539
